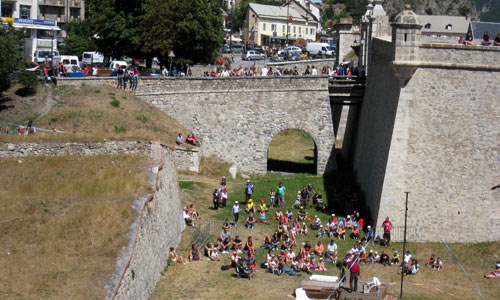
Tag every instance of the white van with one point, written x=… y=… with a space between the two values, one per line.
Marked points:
x=90 y=58
x=65 y=60
x=320 y=49
x=42 y=55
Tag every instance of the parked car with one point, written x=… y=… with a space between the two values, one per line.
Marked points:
x=252 y=54
x=291 y=50
x=150 y=72
x=236 y=49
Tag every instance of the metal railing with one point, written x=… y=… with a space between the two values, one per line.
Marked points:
x=397 y=233
x=204 y=228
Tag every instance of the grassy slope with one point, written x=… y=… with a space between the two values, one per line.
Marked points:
x=85 y=113
x=292 y=145
x=64 y=220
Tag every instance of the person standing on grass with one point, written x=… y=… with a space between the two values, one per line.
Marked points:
x=215 y=199
x=387 y=225
x=353 y=279
x=281 y=192
x=236 y=212
x=304 y=196
x=248 y=190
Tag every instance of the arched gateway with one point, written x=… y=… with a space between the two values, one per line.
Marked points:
x=237 y=118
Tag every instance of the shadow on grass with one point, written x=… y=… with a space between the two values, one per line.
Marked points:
x=290 y=167
x=4 y=101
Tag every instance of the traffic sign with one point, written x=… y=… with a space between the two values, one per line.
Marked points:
x=171 y=54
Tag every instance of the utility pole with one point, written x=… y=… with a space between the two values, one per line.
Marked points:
x=404 y=246
x=287 y=21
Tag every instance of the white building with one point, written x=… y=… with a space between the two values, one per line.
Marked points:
x=277 y=25
x=41 y=19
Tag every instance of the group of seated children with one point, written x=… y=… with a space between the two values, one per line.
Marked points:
x=495 y=273
x=191 y=139
x=434 y=262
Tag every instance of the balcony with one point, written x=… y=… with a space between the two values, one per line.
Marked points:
x=75 y=3
x=50 y=17
x=59 y=3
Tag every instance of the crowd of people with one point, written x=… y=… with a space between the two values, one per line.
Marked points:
x=344 y=69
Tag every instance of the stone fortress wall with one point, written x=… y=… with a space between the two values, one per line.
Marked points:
x=236 y=118
x=429 y=125
x=158 y=227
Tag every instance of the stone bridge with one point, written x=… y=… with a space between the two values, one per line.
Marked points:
x=237 y=118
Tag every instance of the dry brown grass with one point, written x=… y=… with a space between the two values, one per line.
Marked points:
x=64 y=221
x=85 y=114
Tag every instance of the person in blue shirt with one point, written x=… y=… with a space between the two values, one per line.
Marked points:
x=248 y=190
x=368 y=235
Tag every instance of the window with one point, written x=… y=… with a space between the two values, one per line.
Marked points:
x=307 y=30
x=283 y=28
x=294 y=29
x=74 y=12
x=44 y=34
x=312 y=31
x=7 y=10
x=264 y=26
x=300 y=29
x=288 y=29
x=427 y=26
x=449 y=27
x=24 y=11
x=273 y=27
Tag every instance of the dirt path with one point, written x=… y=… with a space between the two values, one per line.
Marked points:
x=49 y=101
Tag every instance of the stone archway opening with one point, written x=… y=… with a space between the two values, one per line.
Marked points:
x=292 y=151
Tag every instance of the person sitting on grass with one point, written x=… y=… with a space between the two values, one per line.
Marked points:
x=431 y=260
x=249 y=245
x=348 y=223
x=321 y=265
x=191 y=139
x=287 y=244
x=193 y=212
x=370 y=257
x=438 y=264
x=262 y=217
x=235 y=259
x=415 y=267
x=297 y=202
x=302 y=214
x=315 y=223
x=263 y=206
x=236 y=244
x=278 y=214
x=224 y=246
x=355 y=233
x=194 y=253
x=187 y=217
x=251 y=260
x=384 y=259
x=304 y=229
x=495 y=273
x=275 y=241
x=176 y=258
x=211 y=252
x=180 y=139
x=287 y=270
x=267 y=242
x=319 y=249
x=395 y=258
x=321 y=231
x=250 y=222
x=341 y=232
x=368 y=235
x=250 y=207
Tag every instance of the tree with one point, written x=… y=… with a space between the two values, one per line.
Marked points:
x=10 y=54
x=191 y=28
x=80 y=38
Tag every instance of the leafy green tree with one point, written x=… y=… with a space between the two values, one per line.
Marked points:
x=80 y=38
x=191 y=28
x=11 y=56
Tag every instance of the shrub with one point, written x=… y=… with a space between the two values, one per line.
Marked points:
x=120 y=129
x=142 y=118
x=29 y=81
x=115 y=103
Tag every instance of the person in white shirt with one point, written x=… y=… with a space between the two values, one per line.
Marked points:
x=236 y=212
x=264 y=71
x=314 y=71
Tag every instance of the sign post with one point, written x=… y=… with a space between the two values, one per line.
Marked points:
x=171 y=55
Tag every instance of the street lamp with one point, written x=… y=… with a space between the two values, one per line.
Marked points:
x=404 y=246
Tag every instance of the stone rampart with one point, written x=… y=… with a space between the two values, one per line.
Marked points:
x=187 y=159
x=236 y=118
x=158 y=227
x=434 y=134
x=301 y=65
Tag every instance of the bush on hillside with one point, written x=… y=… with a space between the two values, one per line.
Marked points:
x=29 y=81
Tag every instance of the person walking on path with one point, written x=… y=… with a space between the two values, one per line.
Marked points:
x=281 y=191
x=248 y=190
x=353 y=279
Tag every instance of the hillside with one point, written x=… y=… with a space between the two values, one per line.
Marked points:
x=86 y=114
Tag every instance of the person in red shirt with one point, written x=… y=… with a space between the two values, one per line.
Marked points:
x=355 y=272
x=387 y=225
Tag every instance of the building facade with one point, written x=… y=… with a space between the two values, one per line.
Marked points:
x=277 y=25
x=42 y=20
